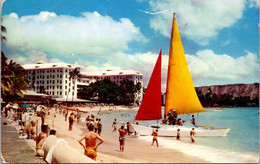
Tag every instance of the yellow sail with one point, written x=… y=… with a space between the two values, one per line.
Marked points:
x=180 y=92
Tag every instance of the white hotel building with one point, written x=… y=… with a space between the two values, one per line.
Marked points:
x=115 y=76
x=53 y=79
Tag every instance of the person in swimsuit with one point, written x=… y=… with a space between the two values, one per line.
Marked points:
x=90 y=147
x=178 y=135
x=99 y=125
x=155 y=134
x=192 y=133
x=114 y=125
x=71 y=120
x=122 y=133
x=39 y=141
x=27 y=131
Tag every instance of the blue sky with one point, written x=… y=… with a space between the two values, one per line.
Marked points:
x=220 y=37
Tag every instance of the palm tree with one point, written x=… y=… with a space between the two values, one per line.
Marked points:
x=73 y=74
x=13 y=76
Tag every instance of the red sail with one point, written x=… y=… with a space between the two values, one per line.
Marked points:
x=150 y=108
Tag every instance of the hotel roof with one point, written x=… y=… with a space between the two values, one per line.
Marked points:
x=42 y=65
x=111 y=73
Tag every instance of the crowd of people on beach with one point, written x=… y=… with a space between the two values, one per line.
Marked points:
x=71 y=115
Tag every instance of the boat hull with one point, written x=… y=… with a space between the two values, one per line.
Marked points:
x=171 y=130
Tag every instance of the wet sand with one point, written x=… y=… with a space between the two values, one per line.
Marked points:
x=136 y=150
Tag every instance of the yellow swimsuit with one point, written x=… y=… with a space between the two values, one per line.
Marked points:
x=91 y=153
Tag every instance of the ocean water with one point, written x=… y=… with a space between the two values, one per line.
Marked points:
x=241 y=145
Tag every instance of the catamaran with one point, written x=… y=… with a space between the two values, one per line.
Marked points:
x=180 y=95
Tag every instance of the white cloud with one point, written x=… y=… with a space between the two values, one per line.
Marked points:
x=253 y=3
x=225 y=43
x=91 y=33
x=205 y=64
x=204 y=18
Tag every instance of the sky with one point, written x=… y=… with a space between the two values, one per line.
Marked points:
x=220 y=37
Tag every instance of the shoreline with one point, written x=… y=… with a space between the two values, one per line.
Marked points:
x=136 y=150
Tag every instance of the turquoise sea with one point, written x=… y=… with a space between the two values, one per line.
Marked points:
x=240 y=145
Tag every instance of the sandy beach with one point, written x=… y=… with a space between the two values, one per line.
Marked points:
x=136 y=150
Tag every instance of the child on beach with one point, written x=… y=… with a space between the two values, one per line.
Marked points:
x=155 y=134
x=178 y=135
x=192 y=133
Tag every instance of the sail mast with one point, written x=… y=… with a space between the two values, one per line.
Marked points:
x=180 y=92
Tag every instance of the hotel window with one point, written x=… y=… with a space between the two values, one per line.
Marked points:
x=47 y=76
x=37 y=82
x=65 y=81
x=42 y=82
x=57 y=92
x=60 y=87
x=57 y=81
x=47 y=71
x=65 y=87
x=53 y=76
x=73 y=93
x=47 y=81
x=47 y=87
x=52 y=93
x=60 y=92
x=65 y=92
x=53 y=82
x=61 y=82
x=60 y=76
x=43 y=76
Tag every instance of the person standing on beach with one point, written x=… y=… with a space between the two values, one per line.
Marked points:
x=193 y=120
x=178 y=135
x=95 y=125
x=155 y=134
x=71 y=120
x=99 y=124
x=66 y=114
x=114 y=125
x=122 y=133
x=192 y=133
x=90 y=147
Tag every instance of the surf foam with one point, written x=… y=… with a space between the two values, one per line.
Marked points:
x=206 y=153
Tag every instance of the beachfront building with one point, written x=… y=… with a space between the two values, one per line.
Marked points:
x=115 y=76
x=52 y=79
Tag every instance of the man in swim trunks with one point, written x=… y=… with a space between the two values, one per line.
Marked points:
x=71 y=121
x=192 y=133
x=122 y=133
x=114 y=125
x=155 y=134
x=90 y=146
